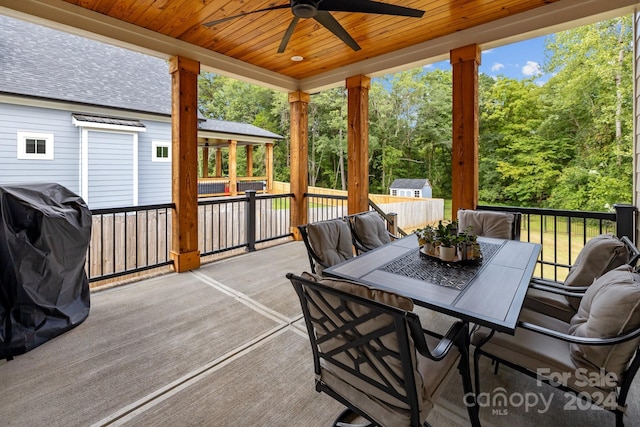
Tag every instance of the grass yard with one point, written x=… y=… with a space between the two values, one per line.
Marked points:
x=561 y=241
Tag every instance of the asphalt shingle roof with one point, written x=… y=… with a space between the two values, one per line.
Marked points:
x=409 y=183
x=46 y=63
x=41 y=62
x=236 y=128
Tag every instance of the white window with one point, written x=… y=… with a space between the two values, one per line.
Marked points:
x=160 y=151
x=394 y=192
x=416 y=193
x=35 y=145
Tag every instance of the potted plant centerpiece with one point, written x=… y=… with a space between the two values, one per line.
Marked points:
x=468 y=246
x=443 y=241
x=447 y=236
x=426 y=239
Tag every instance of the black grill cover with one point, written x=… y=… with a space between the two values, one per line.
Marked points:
x=44 y=291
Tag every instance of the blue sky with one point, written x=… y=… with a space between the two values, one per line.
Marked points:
x=517 y=61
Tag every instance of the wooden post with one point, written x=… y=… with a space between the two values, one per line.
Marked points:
x=218 y=162
x=233 y=168
x=269 y=167
x=205 y=161
x=299 y=159
x=358 y=144
x=464 y=161
x=184 y=166
x=249 y=149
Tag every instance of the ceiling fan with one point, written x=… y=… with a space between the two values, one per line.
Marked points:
x=319 y=10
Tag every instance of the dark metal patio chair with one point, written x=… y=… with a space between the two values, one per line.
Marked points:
x=368 y=231
x=501 y=225
x=599 y=255
x=594 y=356
x=328 y=243
x=370 y=352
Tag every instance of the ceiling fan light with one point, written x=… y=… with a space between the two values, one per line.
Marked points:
x=297 y=58
x=305 y=9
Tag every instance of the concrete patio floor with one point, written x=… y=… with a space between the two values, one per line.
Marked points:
x=220 y=346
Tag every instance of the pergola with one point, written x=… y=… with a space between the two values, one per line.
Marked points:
x=216 y=135
x=314 y=59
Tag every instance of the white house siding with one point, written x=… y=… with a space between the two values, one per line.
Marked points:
x=154 y=177
x=63 y=169
x=111 y=173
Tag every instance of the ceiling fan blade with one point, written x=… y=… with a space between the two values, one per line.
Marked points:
x=229 y=18
x=287 y=34
x=330 y=23
x=368 y=6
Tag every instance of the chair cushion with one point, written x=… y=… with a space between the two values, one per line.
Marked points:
x=353 y=288
x=599 y=255
x=610 y=307
x=331 y=240
x=370 y=230
x=550 y=304
x=486 y=223
x=547 y=357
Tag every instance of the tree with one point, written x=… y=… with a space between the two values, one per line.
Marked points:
x=590 y=97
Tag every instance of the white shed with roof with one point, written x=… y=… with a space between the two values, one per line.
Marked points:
x=411 y=188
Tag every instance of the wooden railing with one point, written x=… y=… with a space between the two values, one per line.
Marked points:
x=214 y=187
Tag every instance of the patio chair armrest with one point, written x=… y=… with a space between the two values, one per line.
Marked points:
x=634 y=252
x=580 y=340
x=444 y=345
x=556 y=288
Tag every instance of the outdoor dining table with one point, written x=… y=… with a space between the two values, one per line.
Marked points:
x=489 y=292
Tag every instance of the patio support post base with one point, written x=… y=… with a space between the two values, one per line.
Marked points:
x=185 y=261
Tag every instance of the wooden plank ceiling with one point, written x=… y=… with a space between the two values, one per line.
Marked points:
x=255 y=38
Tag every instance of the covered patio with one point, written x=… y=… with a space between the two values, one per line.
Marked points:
x=207 y=348
x=204 y=345
x=247 y=48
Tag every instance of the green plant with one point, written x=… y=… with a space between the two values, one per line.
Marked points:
x=447 y=233
x=426 y=234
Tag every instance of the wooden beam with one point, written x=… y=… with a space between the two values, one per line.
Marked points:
x=269 y=167
x=218 y=162
x=358 y=143
x=233 y=167
x=249 y=149
x=464 y=161
x=299 y=159
x=205 y=162
x=184 y=162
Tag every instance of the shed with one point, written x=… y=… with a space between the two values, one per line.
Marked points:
x=411 y=188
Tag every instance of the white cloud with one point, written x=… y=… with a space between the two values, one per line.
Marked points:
x=531 y=69
x=497 y=66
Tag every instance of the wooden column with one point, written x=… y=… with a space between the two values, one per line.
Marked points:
x=218 y=162
x=299 y=159
x=464 y=161
x=268 y=168
x=184 y=162
x=233 y=168
x=205 y=161
x=249 y=149
x=358 y=143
